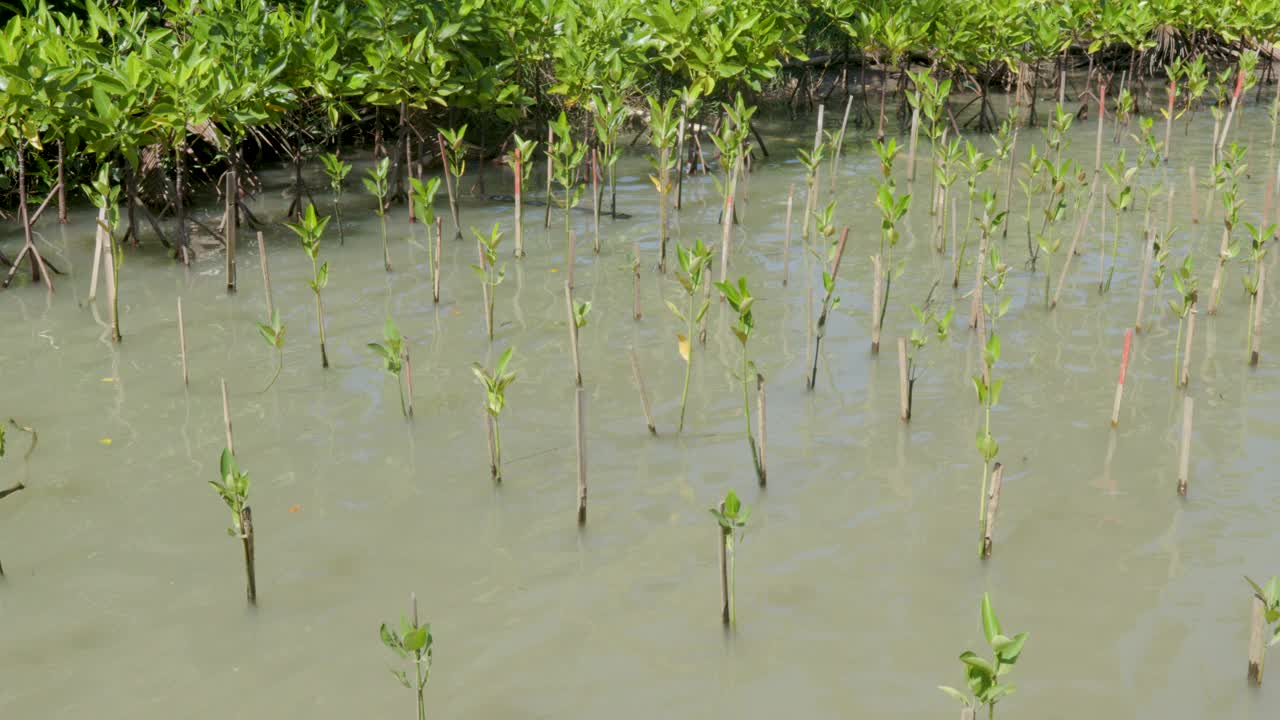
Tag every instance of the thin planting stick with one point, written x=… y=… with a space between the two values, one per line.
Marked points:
x=723 y=532
x=233 y=215
x=266 y=274
x=573 y=334
x=581 y=427
x=435 y=270
x=595 y=195
x=448 y=186
x=519 y=204
x=1256 y=350
x=761 y=427
x=911 y=152
x=551 y=139
x=786 y=238
x=877 y=288
x=644 y=395
x=1124 y=367
x=1186 y=352
x=993 y=502
x=1257 y=644
x=226 y=417
x=1075 y=241
x=904 y=403
x=246 y=528
x=1148 y=249
x=1184 y=458
x=97 y=252
x=182 y=342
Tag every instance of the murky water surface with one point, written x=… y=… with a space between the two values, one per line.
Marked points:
x=858 y=580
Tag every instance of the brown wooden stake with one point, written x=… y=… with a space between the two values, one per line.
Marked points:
x=226 y=417
x=1184 y=458
x=182 y=342
x=246 y=529
x=877 y=288
x=644 y=394
x=762 y=428
x=1124 y=367
x=975 y=301
x=408 y=373
x=1256 y=350
x=911 y=152
x=580 y=425
x=904 y=402
x=786 y=237
x=1257 y=643
x=1186 y=352
x=230 y=228
x=573 y=334
x=993 y=502
x=723 y=532
x=435 y=271
x=266 y=275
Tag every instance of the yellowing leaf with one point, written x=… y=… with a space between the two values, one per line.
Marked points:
x=108 y=379
x=554 y=270
x=105 y=441
x=682 y=343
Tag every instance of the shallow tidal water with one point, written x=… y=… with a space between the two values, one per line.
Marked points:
x=858 y=581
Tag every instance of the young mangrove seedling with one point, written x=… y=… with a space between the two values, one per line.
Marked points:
x=974 y=164
x=742 y=302
x=663 y=131
x=988 y=388
x=234 y=491
x=337 y=170
x=1122 y=179
x=566 y=158
x=412 y=643
x=1184 y=281
x=495 y=387
x=309 y=231
x=812 y=162
x=694 y=264
x=273 y=333
x=488 y=271
x=105 y=197
x=1226 y=179
x=391 y=352
x=609 y=116
x=1267 y=601
x=424 y=202
x=983 y=676
x=377 y=185
x=453 y=153
x=928 y=322
x=892 y=209
x=830 y=300
x=521 y=161
x=1252 y=279
x=732 y=517
x=731 y=143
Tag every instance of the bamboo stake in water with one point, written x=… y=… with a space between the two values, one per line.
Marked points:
x=1219 y=272
x=435 y=270
x=1231 y=113
x=551 y=139
x=723 y=532
x=573 y=334
x=1184 y=459
x=519 y=204
x=581 y=427
x=570 y=257
x=876 y=289
x=595 y=195
x=182 y=342
x=1256 y=350
x=1168 y=118
x=993 y=502
x=810 y=200
x=266 y=275
x=786 y=237
x=1186 y=352
x=911 y=152
x=1124 y=367
x=904 y=385
x=485 y=291
x=98 y=244
x=644 y=394
x=1257 y=642
x=232 y=219
x=761 y=427
x=1075 y=241
x=226 y=417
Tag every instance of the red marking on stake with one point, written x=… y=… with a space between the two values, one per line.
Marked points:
x=1239 y=84
x=1124 y=358
x=1102 y=100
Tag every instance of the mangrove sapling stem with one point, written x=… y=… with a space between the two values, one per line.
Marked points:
x=266 y=273
x=485 y=290
x=571 y=254
x=182 y=341
x=551 y=139
x=876 y=290
x=519 y=229
x=573 y=334
x=829 y=283
x=993 y=503
x=453 y=191
x=1075 y=241
x=681 y=130
x=761 y=427
x=904 y=404
x=786 y=238
x=1257 y=640
x=1185 y=377
x=724 y=533
x=1097 y=146
x=1184 y=456
x=580 y=425
x=489 y=427
x=435 y=270
x=644 y=395
x=246 y=529
x=1124 y=367
x=1256 y=337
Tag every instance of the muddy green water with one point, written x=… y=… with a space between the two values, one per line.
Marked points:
x=858 y=581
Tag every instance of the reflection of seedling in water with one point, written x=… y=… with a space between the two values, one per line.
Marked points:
x=694 y=263
x=391 y=352
x=273 y=333
x=378 y=186
x=337 y=172
x=234 y=491
x=488 y=271
x=495 y=387
x=309 y=231
x=732 y=516
x=983 y=676
x=741 y=301
x=413 y=644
